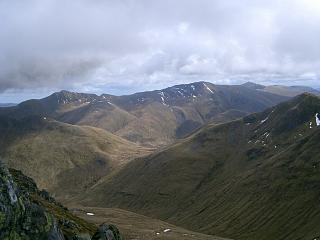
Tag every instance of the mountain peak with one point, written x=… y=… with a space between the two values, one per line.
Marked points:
x=253 y=85
x=305 y=97
x=65 y=96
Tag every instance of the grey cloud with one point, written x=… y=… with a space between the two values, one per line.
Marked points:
x=120 y=45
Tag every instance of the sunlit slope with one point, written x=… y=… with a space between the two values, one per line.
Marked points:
x=60 y=157
x=254 y=178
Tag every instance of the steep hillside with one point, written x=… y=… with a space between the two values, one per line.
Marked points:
x=154 y=118
x=254 y=178
x=63 y=158
x=27 y=213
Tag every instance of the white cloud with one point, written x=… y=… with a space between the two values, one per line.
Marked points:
x=126 y=45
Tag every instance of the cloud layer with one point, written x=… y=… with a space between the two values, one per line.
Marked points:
x=128 y=45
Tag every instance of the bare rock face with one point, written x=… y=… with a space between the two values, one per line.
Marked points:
x=20 y=218
x=107 y=232
x=26 y=213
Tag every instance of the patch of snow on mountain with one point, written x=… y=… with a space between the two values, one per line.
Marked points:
x=193 y=87
x=208 y=88
x=162 y=98
x=264 y=120
x=318 y=119
x=310 y=125
x=167 y=230
x=266 y=134
x=162 y=94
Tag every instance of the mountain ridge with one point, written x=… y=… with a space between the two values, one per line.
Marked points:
x=154 y=118
x=243 y=179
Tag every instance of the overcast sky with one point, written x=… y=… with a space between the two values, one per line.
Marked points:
x=124 y=46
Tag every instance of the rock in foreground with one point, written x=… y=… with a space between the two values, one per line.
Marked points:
x=28 y=214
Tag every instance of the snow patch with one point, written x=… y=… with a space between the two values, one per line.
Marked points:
x=264 y=120
x=90 y=214
x=318 y=119
x=162 y=98
x=208 y=88
x=310 y=125
x=193 y=87
x=180 y=93
x=167 y=230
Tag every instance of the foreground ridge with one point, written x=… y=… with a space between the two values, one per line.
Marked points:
x=27 y=213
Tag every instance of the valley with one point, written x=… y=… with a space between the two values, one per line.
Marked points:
x=159 y=120
x=202 y=160
x=262 y=169
x=135 y=226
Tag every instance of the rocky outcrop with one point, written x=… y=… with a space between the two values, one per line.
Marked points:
x=107 y=232
x=26 y=213
x=20 y=218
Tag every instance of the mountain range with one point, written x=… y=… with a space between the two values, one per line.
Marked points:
x=253 y=178
x=156 y=118
x=235 y=161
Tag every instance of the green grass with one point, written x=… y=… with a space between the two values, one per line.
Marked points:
x=63 y=158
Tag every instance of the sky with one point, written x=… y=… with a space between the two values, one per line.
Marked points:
x=125 y=46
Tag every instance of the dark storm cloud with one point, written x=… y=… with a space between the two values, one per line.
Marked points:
x=99 y=45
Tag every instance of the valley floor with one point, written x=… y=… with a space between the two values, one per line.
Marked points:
x=134 y=226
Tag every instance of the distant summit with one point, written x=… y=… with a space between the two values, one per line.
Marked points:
x=7 y=104
x=289 y=91
x=253 y=85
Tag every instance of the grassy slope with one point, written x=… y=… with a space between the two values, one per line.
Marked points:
x=63 y=158
x=135 y=226
x=255 y=178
